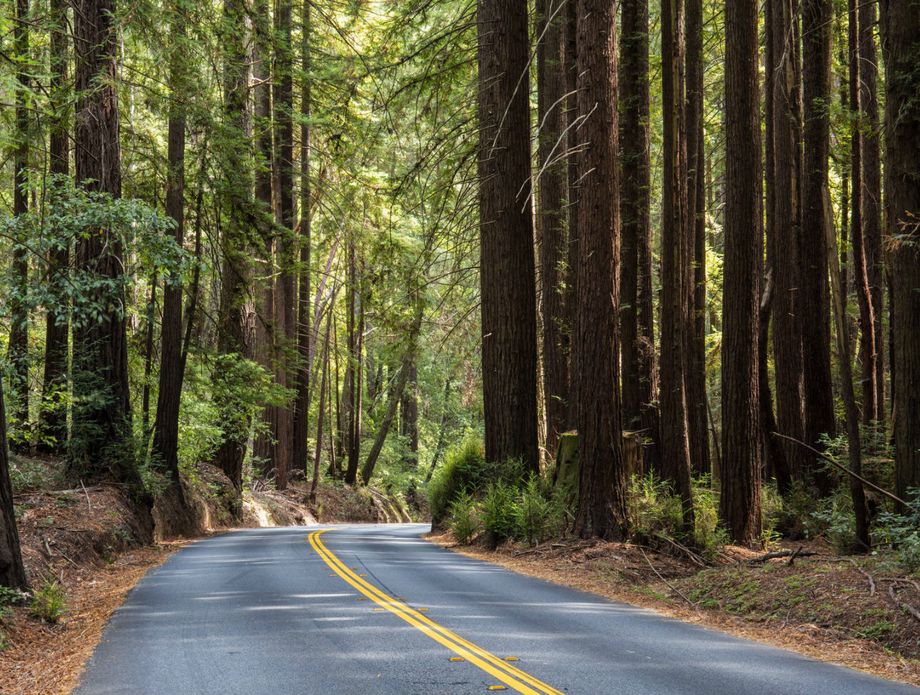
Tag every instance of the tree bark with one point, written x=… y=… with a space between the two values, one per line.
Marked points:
x=637 y=332
x=53 y=413
x=675 y=263
x=901 y=41
x=507 y=272
x=551 y=219
x=739 y=501
x=697 y=421
x=12 y=572
x=18 y=349
x=783 y=244
x=817 y=25
x=304 y=334
x=602 y=479
x=101 y=440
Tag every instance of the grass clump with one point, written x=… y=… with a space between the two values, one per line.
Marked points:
x=48 y=603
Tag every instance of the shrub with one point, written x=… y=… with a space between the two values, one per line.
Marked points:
x=708 y=535
x=835 y=521
x=464 y=521
x=902 y=531
x=534 y=520
x=653 y=507
x=466 y=470
x=48 y=602
x=499 y=511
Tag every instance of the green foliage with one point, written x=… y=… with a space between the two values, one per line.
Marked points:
x=902 y=531
x=464 y=518
x=835 y=521
x=48 y=602
x=535 y=518
x=465 y=470
x=11 y=597
x=653 y=507
x=499 y=512
x=708 y=535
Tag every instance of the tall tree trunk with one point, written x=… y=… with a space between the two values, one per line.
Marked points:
x=408 y=409
x=739 y=501
x=572 y=138
x=322 y=404
x=637 y=337
x=18 y=349
x=169 y=396
x=602 y=482
x=149 y=321
x=101 y=442
x=785 y=229
x=817 y=25
x=53 y=413
x=304 y=334
x=507 y=272
x=265 y=338
x=283 y=166
x=551 y=214
x=675 y=262
x=697 y=421
x=871 y=204
x=235 y=271
x=12 y=572
x=901 y=41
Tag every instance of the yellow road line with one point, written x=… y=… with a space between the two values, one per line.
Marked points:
x=507 y=674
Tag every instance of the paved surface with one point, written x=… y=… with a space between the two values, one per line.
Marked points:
x=261 y=612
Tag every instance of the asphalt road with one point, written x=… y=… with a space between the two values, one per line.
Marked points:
x=373 y=610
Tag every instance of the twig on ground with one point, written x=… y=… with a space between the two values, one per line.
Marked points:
x=866 y=575
x=798 y=551
x=696 y=559
x=903 y=606
x=782 y=553
x=89 y=505
x=669 y=585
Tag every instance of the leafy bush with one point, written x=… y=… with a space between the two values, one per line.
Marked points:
x=835 y=521
x=465 y=470
x=708 y=535
x=11 y=597
x=464 y=521
x=534 y=514
x=653 y=507
x=499 y=511
x=902 y=531
x=48 y=602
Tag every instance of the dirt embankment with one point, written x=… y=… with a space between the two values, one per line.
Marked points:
x=851 y=611
x=83 y=545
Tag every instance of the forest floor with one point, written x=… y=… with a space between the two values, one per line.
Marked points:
x=80 y=545
x=853 y=611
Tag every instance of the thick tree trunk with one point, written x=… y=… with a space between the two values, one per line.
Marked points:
x=169 y=396
x=602 y=480
x=901 y=41
x=12 y=572
x=637 y=333
x=817 y=25
x=675 y=262
x=53 y=413
x=235 y=271
x=572 y=138
x=322 y=404
x=739 y=501
x=507 y=272
x=697 y=408
x=551 y=220
x=408 y=410
x=785 y=229
x=101 y=442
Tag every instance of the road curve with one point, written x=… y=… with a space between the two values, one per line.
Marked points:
x=376 y=610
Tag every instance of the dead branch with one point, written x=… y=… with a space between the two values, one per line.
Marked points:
x=782 y=553
x=669 y=585
x=903 y=606
x=866 y=575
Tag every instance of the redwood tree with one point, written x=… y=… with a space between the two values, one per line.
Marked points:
x=901 y=41
x=551 y=215
x=602 y=484
x=12 y=572
x=507 y=279
x=739 y=501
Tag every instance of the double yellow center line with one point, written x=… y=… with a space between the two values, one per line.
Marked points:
x=508 y=675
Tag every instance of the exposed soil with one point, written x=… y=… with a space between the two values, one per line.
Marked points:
x=821 y=606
